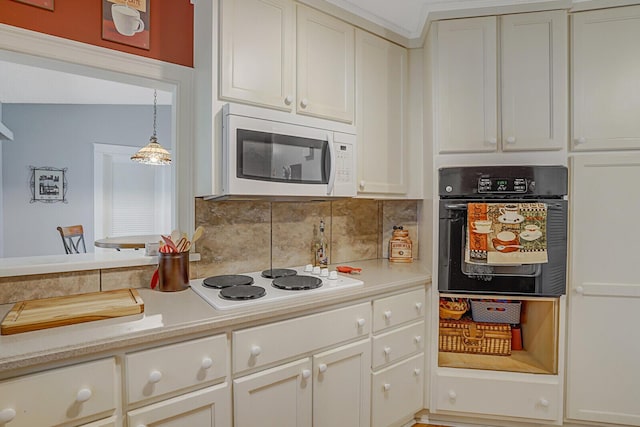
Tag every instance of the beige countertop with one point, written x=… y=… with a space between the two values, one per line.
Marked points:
x=175 y=314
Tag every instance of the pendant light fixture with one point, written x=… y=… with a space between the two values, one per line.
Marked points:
x=153 y=153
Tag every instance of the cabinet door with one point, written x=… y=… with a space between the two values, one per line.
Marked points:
x=604 y=297
x=381 y=86
x=209 y=407
x=606 y=66
x=280 y=396
x=466 y=104
x=325 y=66
x=534 y=81
x=256 y=51
x=341 y=386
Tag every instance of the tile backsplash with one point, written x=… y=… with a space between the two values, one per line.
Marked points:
x=245 y=236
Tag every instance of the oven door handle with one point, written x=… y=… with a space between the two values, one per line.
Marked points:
x=456 y=207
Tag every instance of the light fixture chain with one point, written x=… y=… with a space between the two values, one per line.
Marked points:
x=155 y=103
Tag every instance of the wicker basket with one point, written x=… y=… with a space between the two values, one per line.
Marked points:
x=464 y=336
x=496 y=312
x=445 y=313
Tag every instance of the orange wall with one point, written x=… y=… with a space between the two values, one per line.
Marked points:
x=171 y=26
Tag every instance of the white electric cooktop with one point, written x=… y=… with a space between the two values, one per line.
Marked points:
x=262 y=289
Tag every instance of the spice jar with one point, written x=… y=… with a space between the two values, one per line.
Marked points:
x=400 y=245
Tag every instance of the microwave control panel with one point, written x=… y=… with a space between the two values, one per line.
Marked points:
x=502 y=185
x=344 y=162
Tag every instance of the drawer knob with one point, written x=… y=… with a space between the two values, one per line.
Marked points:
x=387 y=351
x=492 y=141
x=304 y=102
x=417 y=339
x=511 y=140
x=155 y=376
x=306 y=373
x=362 y=185
x=322 y=368
x=361 y=322
x=418 y=306
x=207 y=362
x=452 y=395
x=255 y=350
x=416 y=372
x=386 y=387
x=83 y=395
x=579 y=290
x=7 y=415
x=288 y=100
x=387 y=315
x=580 y=140
x=544 y=402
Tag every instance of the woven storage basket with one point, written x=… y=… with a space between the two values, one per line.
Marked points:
x=496 y=312
x=464 y=336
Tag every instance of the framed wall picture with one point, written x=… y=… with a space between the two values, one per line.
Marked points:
x=48 y=184
x=126 y=22
x=45 y=4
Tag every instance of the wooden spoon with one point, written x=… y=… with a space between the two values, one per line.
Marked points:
x=197 y=234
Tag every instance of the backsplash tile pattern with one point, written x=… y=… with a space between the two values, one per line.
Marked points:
x=241 y=236
x=129 y=277
x=35 y=286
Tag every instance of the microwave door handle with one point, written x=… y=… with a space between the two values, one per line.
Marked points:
x=332 y=166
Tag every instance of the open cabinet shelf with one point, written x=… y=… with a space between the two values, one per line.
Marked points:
x=539 y=327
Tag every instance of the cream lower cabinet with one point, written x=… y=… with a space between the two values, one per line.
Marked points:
x=300 y=383
x=604 y=293
x=397 y=379
x=72 y=395
x=533 y=79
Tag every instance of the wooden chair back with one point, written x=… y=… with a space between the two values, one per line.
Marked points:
x=72 y=239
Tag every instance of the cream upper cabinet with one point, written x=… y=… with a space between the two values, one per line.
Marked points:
x=325 y=66
x=604 y=291
x=275 y=56
x=466 y=104
x=605 y=70
x=381 y=115
x=256 y=49
x=534 y=81
x=531 y=78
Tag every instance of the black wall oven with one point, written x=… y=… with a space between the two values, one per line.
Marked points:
x=459 y=186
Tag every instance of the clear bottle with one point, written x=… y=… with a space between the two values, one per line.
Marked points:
x=320 y=248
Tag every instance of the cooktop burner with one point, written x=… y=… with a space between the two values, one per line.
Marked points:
x=258 y=290
x=297 y=283
x=242 y=292
x=228 y=280
x=274 y=273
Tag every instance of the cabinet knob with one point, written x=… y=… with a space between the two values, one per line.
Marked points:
x=362 y=185
x=7 y=415
x=255 y=350
x=452 y=395
x=288 y=100
x=544 y=402
x=304 y=102
x=417 y=339
x=387 y=315
x=207 y=362
x=387 y=351
x=306 y=373
x=155 y=376
x=418 y=306
x=580 y=140
x=579 y=290
x=492 y=141
x=511 y=140
x=322 y=368
x=361 y=322
x=386 y=387
x=83 y=395
x=416 y=372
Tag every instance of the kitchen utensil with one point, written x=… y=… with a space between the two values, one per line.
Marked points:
x=181 y=244
x=348 y=269
x=169 y=243
x=154 y=279
x=197 y=234
x=175 y=235
x=503 y=247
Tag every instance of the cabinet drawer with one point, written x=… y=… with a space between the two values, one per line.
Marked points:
x=398 y=309
x=174 y=367
x=538 y=398
x=397 y=392
x=59 y=395
x=266 y=344
x=393 y=346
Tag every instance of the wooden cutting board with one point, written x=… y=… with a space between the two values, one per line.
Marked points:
x=46 y=313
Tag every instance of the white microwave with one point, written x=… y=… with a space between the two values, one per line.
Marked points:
x=265 y=153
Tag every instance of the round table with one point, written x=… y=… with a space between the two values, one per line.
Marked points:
x=127 y=242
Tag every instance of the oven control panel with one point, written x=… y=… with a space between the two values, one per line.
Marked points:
x=503 y=185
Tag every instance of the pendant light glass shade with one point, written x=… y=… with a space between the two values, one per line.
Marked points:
x=153 y=153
